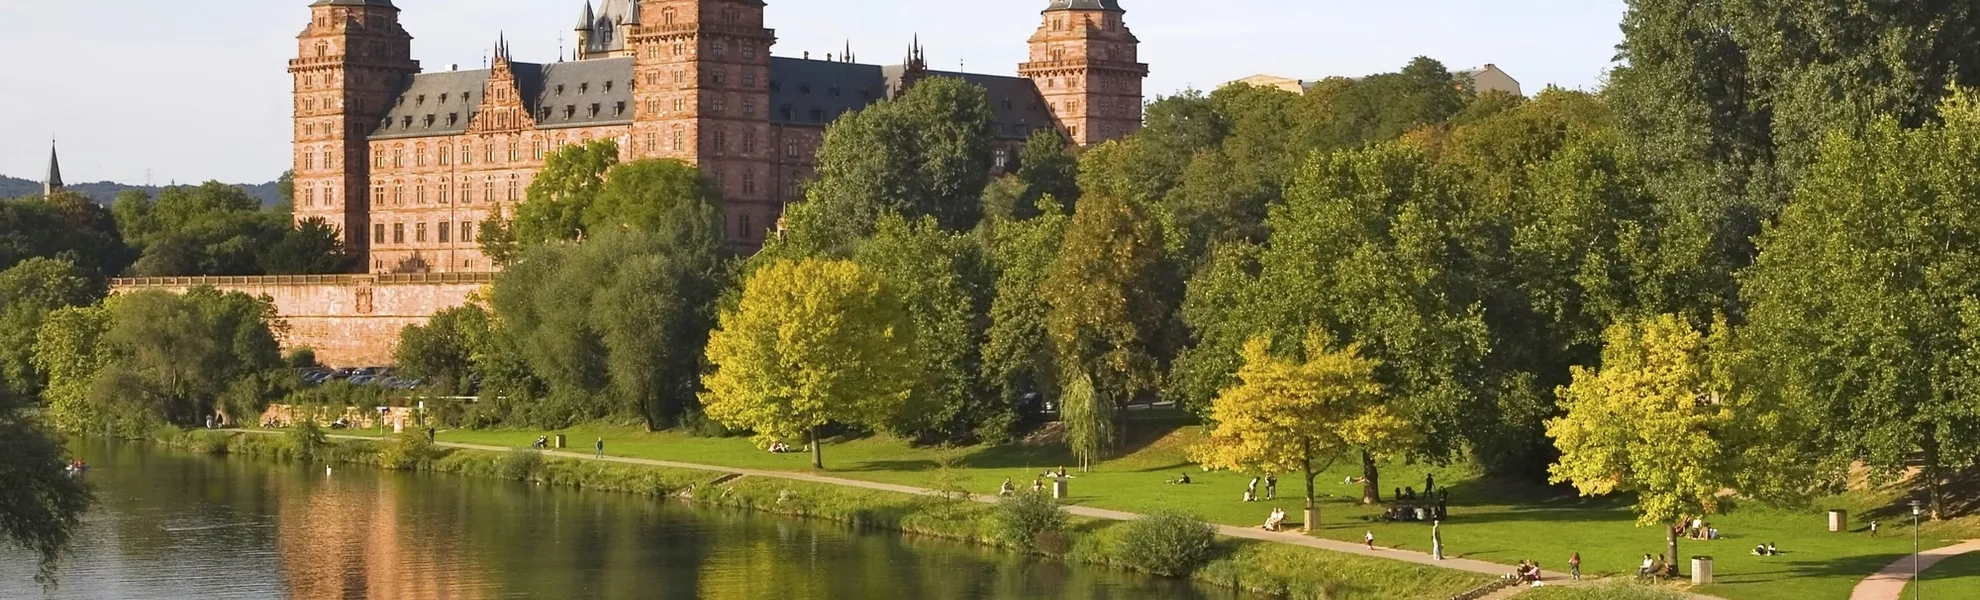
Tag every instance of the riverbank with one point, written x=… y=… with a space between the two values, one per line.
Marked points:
x=1246 y=564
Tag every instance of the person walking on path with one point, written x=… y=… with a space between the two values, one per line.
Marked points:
x=1574 y=566
x=1369 y=538
x=601 y=447
x=1437 y=540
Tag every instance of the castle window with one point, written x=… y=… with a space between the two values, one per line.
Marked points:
x=419 y=233
x=515 y=151
x=680 y=49
x=817 y=115
x=429 y=121
x=464 y=97
x=785 y=110
x=667 y=16
x=749 y=80
x=330 y=196
x=421 y=101
x=680 y=104
x=791 y=148
x=608 y=87
x=652 y=142
x=443 y=193
x=467 y=154
x=419 y=194
x=446 y=156
x=680 y=140
x=730 y=15
x=378 y=195
x=776 y=87
x=453 y=119
x=721 y=76
x=748 y=50
x=398 y=158
x=419 y=157
x=721 y=141
x=748 y=107
x=570 y=111
x=619 y=109
x=513 y=195
x=680 y=76
x=309 y=159
x=378 y=234
x=467 y=234
x=398 y=194
x=1007 y=104
x=749 y=187
x=584 y=88
x=1058 y=24
x=398 y=233
x=594 y=110
x=1003 y=158
x=537 y=152
x=329 y=158
x=721 y=50
x=445 y=231
x=652 y=78
x=560 y=89
x=749 y=142
x=652 y=107
x=378 y=161
x=718 y=105
x=488 y=189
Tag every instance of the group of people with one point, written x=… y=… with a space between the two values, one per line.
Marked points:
x=1656 y=567
x=78 y=466
x=1767 y=549
x=1275 y=522
x=1271 y=488
x=1528 y=573
x=1696 y=528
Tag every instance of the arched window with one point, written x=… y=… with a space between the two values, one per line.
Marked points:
x=667 y=16
x=309 y=159
x=514 y=187
x=322 y=49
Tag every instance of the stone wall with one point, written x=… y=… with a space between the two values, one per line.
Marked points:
x=349 y=320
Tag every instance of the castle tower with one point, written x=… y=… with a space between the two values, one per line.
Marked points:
x=1087 y=66
x=607 y=31
x=350 y=61
x=54 y=180
x=702 y=75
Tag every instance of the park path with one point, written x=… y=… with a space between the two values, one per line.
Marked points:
x=1889 y=583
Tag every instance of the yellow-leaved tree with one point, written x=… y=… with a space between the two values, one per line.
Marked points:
x=811 y=342
x=1656 y=420
x=1300 y=417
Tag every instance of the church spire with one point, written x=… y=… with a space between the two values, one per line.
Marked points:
x=54 y=180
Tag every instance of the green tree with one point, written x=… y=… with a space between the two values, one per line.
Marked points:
x=1301 y=417
x=64 y=225
x=29 y=292
x=564 y=192
x=1047 y=167
x=944 y=281
x=41 y=506
x=811 y=342
x=1110 y=297
x=69 y=351
x=1863 y=297
x=212 y=229
x=927 y=153
x=443 y=351
x=1089 y=419
x=1017 y=351
x=656 y=195
x=310 y=247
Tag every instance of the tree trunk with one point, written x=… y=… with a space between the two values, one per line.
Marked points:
x=1671 y=542
x=817 y=451
x=1311 y=515
x=1371 y=485
x=1931 y=472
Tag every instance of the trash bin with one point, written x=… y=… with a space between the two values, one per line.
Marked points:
x=1701 y=570
x=1838 y=520
x=1422 y=514
x=1059 y=489
x=559 y=442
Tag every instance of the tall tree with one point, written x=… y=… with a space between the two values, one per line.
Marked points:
x=1047 y=168
x=1089 y=420
x=443 y=350
x=1111 y=300
x=29 y=292
x=944 y=282
x=1017 y=352
x=811 y=342
x=310 y=247
x=1301 y=416
x=927 y=153
x=563 y=193
x=41 y=506
x=1862 y=297
x=212 y=229
x=64 y=225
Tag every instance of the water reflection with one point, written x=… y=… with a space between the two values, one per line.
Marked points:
x=179 y=526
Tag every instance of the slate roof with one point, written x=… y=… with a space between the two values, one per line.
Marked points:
x=567 y=94
x=816 y=92
x=384 y=3
x=802 y=92
x=1113 y=5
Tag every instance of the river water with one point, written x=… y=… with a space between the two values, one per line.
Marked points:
x=172 y=525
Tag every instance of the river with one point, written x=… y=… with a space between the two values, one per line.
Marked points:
x=173 y=525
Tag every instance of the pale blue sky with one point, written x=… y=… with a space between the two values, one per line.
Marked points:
x=190 y=90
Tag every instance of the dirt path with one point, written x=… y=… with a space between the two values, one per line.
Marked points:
x=1889 y=583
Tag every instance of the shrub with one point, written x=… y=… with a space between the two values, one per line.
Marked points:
x=405 y=452
x=519 y=464
x=1166 y=543
x=307 y=439
x=1024 y=520
x=206 y=442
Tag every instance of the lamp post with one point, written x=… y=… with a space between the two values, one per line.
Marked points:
x=1917 y=585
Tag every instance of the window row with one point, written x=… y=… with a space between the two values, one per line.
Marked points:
x=308 y=195
x=444 y=232
x=511 y=190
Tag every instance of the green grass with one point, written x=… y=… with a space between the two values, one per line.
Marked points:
x=1602 y=591
x=1492 y=522
x=1956 y=578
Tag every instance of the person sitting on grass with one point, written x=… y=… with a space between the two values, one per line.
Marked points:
x=779 y=447
x=1183 y=480
x=1275 y=522
x=1037 y=486
x=1009 y=488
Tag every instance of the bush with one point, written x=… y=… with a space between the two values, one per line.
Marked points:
x=1024 y=520
x=1166 y=543
x=307 y=439
x=405 y=452
x=519 y=464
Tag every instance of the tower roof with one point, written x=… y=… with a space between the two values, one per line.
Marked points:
x=585 y=18
x=54 y=180
x=1113 y=5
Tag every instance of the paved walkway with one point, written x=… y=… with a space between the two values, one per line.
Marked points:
x=1889 y=583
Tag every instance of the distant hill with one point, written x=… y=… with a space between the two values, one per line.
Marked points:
x=104 y=192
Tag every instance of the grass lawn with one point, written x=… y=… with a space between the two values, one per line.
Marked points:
x=1498 y=523
x=1956 y=578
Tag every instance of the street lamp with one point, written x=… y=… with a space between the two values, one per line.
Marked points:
x=1917 y=585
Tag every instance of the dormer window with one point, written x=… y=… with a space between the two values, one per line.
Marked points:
x=421 y=101
x=560 y=89
x=408 y=120
x=619 y=109
x=805 y=89
x=583 y=88
x=835 y=91
x=570 y=111
x=453 y=119
x=465 y=96
x=608 y=87
x=429 y=120
x=443 y=98
x=594 y=109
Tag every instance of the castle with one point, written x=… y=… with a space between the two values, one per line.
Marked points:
x=407 y=164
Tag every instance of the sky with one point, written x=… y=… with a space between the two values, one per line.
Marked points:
x=150 y=91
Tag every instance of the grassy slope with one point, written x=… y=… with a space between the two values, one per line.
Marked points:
x=1490 y=522
x=1956 y=578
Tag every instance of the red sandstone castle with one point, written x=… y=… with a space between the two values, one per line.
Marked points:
x=408 y=163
